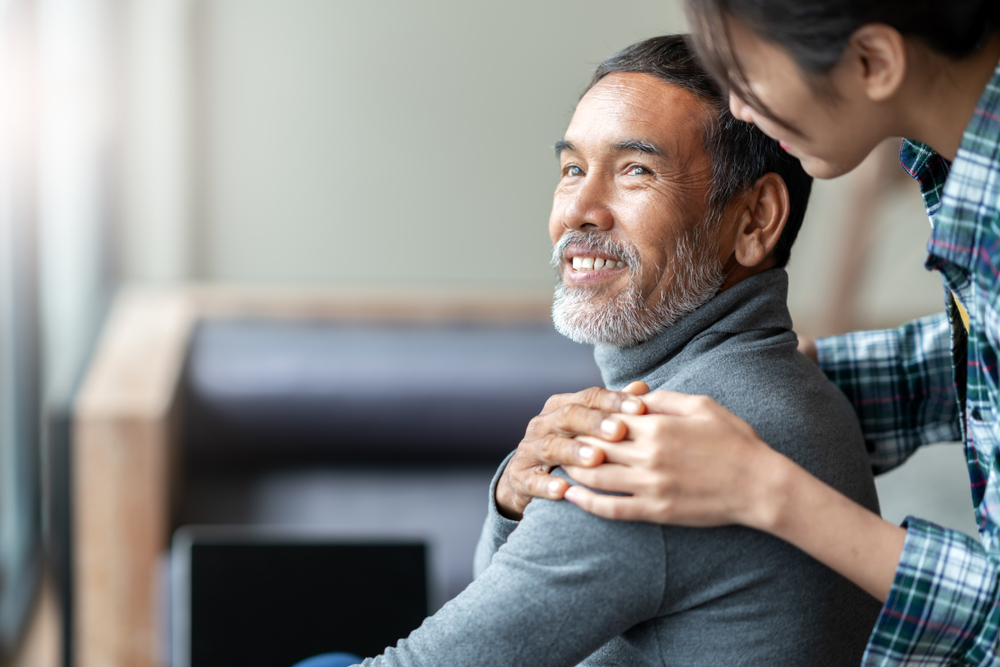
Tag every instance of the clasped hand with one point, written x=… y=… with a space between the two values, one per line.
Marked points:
x=680 y=459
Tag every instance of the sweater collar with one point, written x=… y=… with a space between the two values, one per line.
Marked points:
x=759 y=302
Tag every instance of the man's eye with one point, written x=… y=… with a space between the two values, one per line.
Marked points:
x=572 y=170
x=638 y=170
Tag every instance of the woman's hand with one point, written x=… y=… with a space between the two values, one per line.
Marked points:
x=807 y=346
x=690 y=462
x=549 y=442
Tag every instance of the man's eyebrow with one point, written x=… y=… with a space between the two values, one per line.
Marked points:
x=640 y=146
x=563 y=145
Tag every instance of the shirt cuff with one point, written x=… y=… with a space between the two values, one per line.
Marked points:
x=942 y=608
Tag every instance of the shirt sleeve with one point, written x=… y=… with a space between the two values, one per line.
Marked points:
x=496 y=528
x=944 y=604
x=900 y=384
x=563 y=584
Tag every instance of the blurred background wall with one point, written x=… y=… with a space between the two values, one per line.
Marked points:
x=319 y=143
x=325 y=143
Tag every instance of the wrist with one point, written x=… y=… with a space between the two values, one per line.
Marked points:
x=504 y=500
x=769 y=498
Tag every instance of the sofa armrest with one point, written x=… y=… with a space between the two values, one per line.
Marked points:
x=124 y=423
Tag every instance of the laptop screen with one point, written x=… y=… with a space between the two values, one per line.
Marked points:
x=270 y=601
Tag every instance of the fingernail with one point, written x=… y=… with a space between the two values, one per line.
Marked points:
x=571 y=494
x=631 y=406
x=587 y=453
x=555 y=487
x=609 y=427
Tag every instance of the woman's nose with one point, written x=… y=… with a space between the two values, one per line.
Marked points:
x=739 y=108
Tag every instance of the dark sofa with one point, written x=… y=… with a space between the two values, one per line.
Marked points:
x=362 y=429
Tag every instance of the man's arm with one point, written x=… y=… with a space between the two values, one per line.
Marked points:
x=550 y=434
x=900 y=384
x=496 y=528
x=564 y=584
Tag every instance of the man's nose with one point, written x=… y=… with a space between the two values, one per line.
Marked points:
x=587 y=208
x=739 y=108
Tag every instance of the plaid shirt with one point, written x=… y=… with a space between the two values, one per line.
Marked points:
x=944 y=605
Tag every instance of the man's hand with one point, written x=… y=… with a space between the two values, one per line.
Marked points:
x=548 y=442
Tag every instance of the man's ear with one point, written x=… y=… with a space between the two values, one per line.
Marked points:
x=765 y=210
x=876 y=53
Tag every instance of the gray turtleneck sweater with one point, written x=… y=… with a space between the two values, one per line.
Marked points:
x=567 y=587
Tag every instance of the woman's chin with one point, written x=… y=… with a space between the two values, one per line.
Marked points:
x=824 y=169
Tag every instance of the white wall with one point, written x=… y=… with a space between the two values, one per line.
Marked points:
x=397 y=143
x=156 y=190
x=393 y=142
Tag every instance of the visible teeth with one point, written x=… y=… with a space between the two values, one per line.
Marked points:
x=596 y=264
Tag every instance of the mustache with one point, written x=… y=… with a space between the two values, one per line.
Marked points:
x=598 y=241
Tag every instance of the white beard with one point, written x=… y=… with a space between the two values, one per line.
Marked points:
x=624 y=320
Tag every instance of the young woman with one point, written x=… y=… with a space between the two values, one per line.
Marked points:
x=830 y=79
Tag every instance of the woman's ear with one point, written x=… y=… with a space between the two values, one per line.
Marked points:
x=877 y=53
x=764 y=214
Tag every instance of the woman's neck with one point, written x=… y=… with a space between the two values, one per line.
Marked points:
x=939 y=101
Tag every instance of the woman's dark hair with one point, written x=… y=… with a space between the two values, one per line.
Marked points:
x=740 y=153
x=815 y=32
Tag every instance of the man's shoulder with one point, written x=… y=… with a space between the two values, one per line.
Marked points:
x=742 y=369
x=766 y=384
x=791 y=404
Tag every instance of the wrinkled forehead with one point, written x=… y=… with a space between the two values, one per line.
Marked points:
x=629 y=105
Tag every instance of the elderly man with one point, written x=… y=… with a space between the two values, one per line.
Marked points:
x=671 y=223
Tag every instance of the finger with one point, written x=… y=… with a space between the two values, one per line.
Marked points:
x=547 y=486
x=606 y=400
x=572 y=420
x=518 y=486
x=654 y=426
x=636 y=388
x=624 y=453
x=593 y=441
x=621 y=508
x=674 y=403
x=610 y=477
x=561 y=451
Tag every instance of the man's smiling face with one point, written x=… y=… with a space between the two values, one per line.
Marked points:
x=633 y=248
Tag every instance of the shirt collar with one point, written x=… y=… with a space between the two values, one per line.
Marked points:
x=758 y=303
x=951 y=202
x=928 y=169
